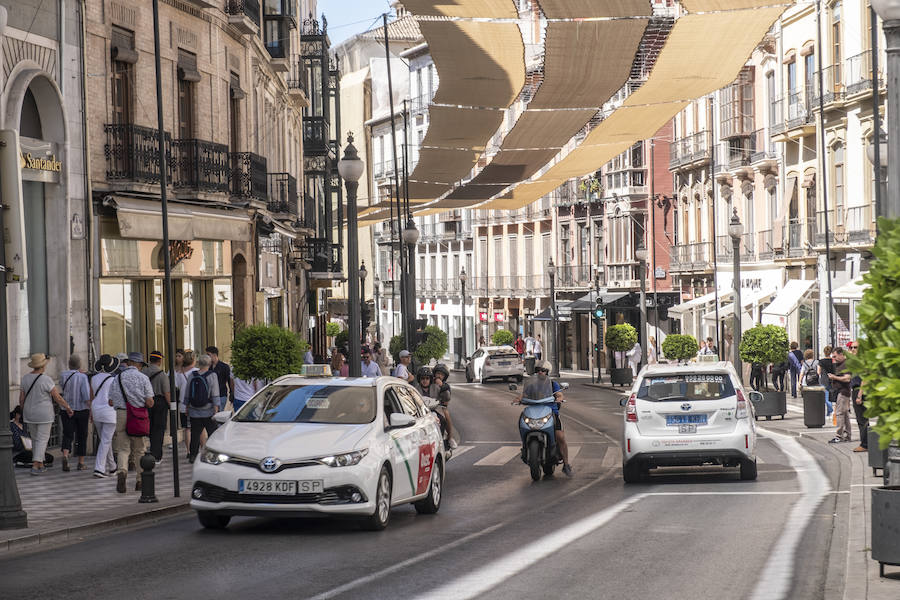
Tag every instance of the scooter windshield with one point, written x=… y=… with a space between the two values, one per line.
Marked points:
x=549 y=400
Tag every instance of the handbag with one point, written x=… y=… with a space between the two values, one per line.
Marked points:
x=26 y=441
x=137 y=419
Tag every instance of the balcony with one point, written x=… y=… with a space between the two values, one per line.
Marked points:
x=798 y=112
x=724 y=247
x=278 y=42
x=243 y=15
x=296 y=81
x=624 y=276
x=797 y=234
x=324 y=258
x=201 y=166
x=574 y=277
x=132 y=153
x=777 y=123
x=691 y=258
x=763 y=149
x=858 y=73
x=282 y=193
x=766 y=245
x=739 y=153
x=690 y=151
x=315 y=136
x=860 y=225
x=419 y=104
x=201 y=4
x=833 y=84
x=248 y=176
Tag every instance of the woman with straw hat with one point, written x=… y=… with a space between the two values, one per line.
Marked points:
x=36 y=399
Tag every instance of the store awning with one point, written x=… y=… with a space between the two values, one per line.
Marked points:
x=698 y=302
x=142 y=219
x=748 y=301
x=789 y=298
x=564 y=310
x=588 y=302
x=852 y=290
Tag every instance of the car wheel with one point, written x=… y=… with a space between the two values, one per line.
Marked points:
x=379 y=519
x=519 y=378
x=748 y=470
x=432 y=502
x=212 y=520
x=631 y=472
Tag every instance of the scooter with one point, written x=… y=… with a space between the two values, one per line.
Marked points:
x=536 y=428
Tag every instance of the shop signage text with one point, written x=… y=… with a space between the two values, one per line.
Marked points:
x=38 y=163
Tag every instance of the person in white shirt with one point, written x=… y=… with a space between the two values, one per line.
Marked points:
x=402 y=368
x=244 y=390
x=634 y=358
x=529 y=345
x=651 y=352
x=104 y=415
x=538 y=348
x=369 y=368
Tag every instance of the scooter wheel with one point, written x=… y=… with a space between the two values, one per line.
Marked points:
x=534 y=459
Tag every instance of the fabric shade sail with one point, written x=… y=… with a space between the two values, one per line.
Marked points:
x=574 y=9
x=475 y=9
x=471 y=194
x=451 y=127
x=711 y=5
x=546 y=128
x=522 y=195
x=512 y=166
x=420 y=191
x=480 y=63
x=444 y=166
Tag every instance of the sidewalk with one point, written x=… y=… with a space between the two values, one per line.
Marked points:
x=66 y=507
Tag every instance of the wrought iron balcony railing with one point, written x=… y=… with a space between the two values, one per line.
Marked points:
x=323 y=256
x=858 y=73
x=690 y=149
x=247 y=8
x=248 y=175
x=296 y=79
x=132 y=153
x=201 y=165
x=315 y=135
x=692 y=257
x=282 y=193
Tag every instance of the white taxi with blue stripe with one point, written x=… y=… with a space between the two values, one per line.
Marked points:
x=329 y=445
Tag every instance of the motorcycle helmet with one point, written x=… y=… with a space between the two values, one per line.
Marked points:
x=442 y=369
x=424 y=372
x=544 y=365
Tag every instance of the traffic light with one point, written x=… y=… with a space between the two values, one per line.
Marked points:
x=599 y=311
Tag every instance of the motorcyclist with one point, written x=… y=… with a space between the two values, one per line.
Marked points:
x=544 y=387
x=431 y=395
x=441 y=375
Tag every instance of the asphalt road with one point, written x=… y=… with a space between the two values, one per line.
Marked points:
x=691 y=533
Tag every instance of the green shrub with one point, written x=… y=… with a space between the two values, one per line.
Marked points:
x=434 y=347
x=502 y=337
x=680 y=347
x=621 y=338
x=765 y=344
x=342 y=339
x=878 y=361
x=332 y=329
x=266 y=352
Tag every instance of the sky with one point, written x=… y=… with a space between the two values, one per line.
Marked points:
x=346 y=18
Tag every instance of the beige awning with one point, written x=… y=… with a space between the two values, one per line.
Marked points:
x=790 y=190
x=471 y=194
x=451 y=127
x=523 y=195
x=546 y=128
x=586 y=62
x=574 y=9
x=142 y=219
x=632 y=124
x=512 y=166
x=476 y=9
x=444 y=166
x=480 y=63
x=584 y=160
x=711 y=5
x=420 y=192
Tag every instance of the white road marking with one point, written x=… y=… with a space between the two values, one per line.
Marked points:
x=611 y=459
x=573 y=452
x=460 y=450
x=775 y=578
x=591 y=428
x=498 y=457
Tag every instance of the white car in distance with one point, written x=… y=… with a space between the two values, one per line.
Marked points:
x=688 y=415
x=491 y=362
x=337 y=446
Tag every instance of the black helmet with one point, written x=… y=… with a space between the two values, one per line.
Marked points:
x=424 y=372
x=442 y=368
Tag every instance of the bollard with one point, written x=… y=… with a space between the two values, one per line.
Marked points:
x=148 y=479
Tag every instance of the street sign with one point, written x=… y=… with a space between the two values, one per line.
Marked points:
x=498 y=317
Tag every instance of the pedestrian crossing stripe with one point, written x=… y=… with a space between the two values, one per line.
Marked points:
x=499 y=457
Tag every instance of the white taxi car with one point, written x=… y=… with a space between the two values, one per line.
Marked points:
x=688 y=415
x=338 y=446
x=495 y=362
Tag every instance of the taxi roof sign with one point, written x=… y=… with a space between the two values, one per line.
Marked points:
x=708 y=358
x=315 y=371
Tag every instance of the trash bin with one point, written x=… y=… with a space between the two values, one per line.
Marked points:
x=529 y=364
x=877 y=456
x=814 y=407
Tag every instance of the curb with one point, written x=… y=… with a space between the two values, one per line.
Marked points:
x=56 y=535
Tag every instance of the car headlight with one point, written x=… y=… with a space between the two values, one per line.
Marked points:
x=211 y=457
x=538 y=423
x=344 y=460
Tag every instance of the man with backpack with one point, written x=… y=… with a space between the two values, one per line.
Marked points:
x=159 y=414
x=201 y=400
x=795 y=358
x=131 y=394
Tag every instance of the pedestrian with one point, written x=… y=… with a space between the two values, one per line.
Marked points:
x=382 y=358
x=859 y=408
x=538 y=349
x=634 y=358
x=809 y=370
x=74 y=387
x=710 y=347
x=651 y=351
x=162 y=396
x=757 y=376
x=795 y=360
x=202 y=392
x=840 y=383
x=36 y=399
x=368 y=367
x=529 y=345
x=337 y=363
x=520 y=345
x=308 y=357
x=22 y=443
x=130 y=388
x=481 y=341
x=402 y=369
x=244 y=390
x=122 y=356
x=826 y=367
x=104 y=415
x=181 y=378
x=779 y=370
x=223 y=372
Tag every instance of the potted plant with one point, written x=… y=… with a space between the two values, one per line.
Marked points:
x=502 y=337
x=877 y=365
x=433 y=347
x=621 y=338
x=680 y=348
x=765 y=344
x=266 y=352
x=332 y=329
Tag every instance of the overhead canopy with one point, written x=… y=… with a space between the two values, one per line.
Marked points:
x=522 y=196
x=480 y=9
x=142 y=219
x=445 y=166
x=588 y=302
x=451 y=127
x=563 y=310
x=710 y=5
x=573 y=9
x=852 y=290
x=512 y=166
x=698 y=302
x=748 y=300
x=546 y=128
x=788 y=299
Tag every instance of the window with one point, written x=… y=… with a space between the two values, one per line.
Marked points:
x=737 y=106
x=410 y=402
x=121 y=107
x=838 y=178
x=792 y=81
x=513 y=256
x=836 y=48
x=310 y=404
x=809 y=62
x=770 y=91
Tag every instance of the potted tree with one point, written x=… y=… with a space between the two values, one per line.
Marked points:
x=332 y=329
x=503 y=337
x=877 y=364
x=433 y=347
x=266 y=352
x=621 y=338
x=765 y=344
x=680 y=348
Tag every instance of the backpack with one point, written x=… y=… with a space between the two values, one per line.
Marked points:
x=198 y=392
x=812 y=377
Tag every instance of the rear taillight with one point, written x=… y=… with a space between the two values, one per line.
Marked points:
x=741 y=412
x=631 y=409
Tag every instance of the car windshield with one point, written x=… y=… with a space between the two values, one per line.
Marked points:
x=688 y=386
x=505 y=352
x=310 y=404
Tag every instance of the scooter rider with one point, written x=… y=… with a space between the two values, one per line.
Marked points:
x=544 y=387
x=441 y=375
x=431 y=394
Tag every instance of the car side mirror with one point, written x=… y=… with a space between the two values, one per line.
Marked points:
x=564 y=386
x=756 y=397
x=513 y=387
x=222 y=417
x=401 y=420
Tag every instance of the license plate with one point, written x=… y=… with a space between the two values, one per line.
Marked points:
x=279 y=488
x=687 y=429
x=672 y=420
x=503 y=363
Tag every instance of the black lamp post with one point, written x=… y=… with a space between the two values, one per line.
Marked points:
x=736 y=231
x=889 y=11
x=462 y=308
x=362 y=300
x=376 y=291
x=554 y=327
x=351 y=168
x=642 y=255
x=411 y=239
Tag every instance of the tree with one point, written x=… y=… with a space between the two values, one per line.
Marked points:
x=332 y=329
x=878 y=358
x=680 y=347
x=621 y=338
x=502 y=337
x=765 y=344
x=266 y=352
x=434 y=346
x=342 y=339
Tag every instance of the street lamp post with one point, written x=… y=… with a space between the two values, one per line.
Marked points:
x=462 y=309
x=889 y=11
x=641 y=254
x=554 y=324
x=410 y=238
x=736 y=231
x=351 y=168
x=362 y=300
x=599 y=321
x=376 y=291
